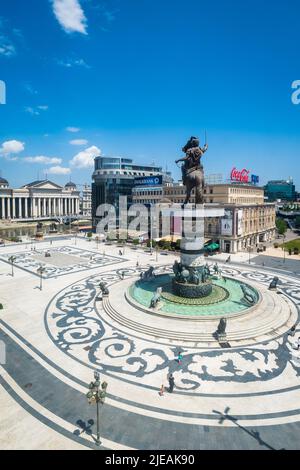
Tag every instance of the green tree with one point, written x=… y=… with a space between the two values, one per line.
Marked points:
x=297 y=222
x=281 y=226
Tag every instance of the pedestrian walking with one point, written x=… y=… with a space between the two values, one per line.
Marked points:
x=137 y=264
x=292 y=331
x=296 y=345
x=162 y=390
x=171 y=383
x=179 y=358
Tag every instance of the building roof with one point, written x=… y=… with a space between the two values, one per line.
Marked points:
x=3 y=181
x=35 y=183
x=39 y=183
x=70 y=185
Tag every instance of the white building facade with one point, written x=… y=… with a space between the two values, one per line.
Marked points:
x=87 y=201
x=40 y=199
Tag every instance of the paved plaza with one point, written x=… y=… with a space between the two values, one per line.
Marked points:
x=243 y=396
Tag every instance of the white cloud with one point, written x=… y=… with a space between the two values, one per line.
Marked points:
x=78 y=142
x=11 y=147
x=32 y=111
x=58 y=170
x=44 y=160
x=6 y=47
x=70 y=15
x=69 y=63
x=73 y=129
x=85 y=159
x=29 y=88
x=36 y=111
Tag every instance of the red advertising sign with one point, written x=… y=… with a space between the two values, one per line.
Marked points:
x=241 y=176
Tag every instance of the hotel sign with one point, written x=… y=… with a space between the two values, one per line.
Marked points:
x=148 y=181
x=243 y=176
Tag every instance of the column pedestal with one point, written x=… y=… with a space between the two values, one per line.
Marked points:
x=191 y=276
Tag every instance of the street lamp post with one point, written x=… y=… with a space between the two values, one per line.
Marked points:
x=97 y=394
x=249 y=251
x=283 y=248
x=12 y=259
x=41 y=271
x=151 y=242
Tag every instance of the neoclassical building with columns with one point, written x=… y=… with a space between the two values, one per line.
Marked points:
x=40 y=199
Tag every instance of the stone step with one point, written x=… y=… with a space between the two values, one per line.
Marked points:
x=238 y=335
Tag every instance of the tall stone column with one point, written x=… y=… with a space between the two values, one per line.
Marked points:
x=59 y=209
x=56 y=205
x=44 y=207
x=8 y=208
x=20 y=209
x=26 y=207
x=33 y=207
x=13 y=207
x=3 y=208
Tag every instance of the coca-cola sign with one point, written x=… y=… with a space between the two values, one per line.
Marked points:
x=241 y=176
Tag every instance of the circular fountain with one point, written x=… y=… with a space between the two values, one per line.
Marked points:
x=226 y=297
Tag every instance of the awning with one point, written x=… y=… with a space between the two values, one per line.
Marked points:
x=172 y=238
x=212 y=247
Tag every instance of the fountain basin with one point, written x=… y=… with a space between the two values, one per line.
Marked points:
x=226 y=298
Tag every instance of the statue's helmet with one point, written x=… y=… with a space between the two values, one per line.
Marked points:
x=192 y=143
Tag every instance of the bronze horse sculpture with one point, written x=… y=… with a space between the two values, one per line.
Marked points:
x=192 y=169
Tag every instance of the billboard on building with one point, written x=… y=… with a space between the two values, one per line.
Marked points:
x=243 y=176
x=239 y=222
x=227 y=224
x=148 y=181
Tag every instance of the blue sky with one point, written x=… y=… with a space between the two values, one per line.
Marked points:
x=137 y=78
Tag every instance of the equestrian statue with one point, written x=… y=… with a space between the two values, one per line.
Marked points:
x=192 y=169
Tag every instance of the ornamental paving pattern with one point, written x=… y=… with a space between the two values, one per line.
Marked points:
x=243 y=397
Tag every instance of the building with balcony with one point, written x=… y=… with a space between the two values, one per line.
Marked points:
x=86 y=202
x=248 y=222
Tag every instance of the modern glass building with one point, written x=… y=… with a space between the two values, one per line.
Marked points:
x=280 y=189
x=114 y=177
